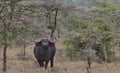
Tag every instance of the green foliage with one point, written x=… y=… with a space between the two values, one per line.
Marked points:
x=71 y=51
x=1 y=40
x=99 y=34
x=104 y=27
x=82 y=25
x=111 y=56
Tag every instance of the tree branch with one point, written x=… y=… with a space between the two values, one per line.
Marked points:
x=2 y=9
x=55 y=23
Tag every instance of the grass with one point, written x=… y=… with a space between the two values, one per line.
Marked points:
x=61 y=64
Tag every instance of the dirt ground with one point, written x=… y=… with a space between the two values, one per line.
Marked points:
x=61 y=64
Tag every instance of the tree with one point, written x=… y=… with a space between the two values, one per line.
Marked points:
x=6 y=16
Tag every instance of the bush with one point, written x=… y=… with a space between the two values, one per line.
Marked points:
x=75 y=47
x=73 y=54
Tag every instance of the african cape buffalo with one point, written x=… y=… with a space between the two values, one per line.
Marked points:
x=44 y=52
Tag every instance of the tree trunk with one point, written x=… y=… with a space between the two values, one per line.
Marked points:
x=105 y=53
x=89 y=61
x=4 y=57
x=24 y=49
x=89 y=64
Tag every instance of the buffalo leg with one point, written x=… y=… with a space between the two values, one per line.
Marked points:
x=46 y=64
x=52 y=62
x=42 y=64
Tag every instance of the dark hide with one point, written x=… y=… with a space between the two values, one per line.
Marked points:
x=44 y=52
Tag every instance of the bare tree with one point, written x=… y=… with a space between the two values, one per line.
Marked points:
x=89 y=51
x=5 y=45
x=51 y=7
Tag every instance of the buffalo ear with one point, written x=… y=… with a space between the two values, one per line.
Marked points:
x=38 y=43
x=51 y=43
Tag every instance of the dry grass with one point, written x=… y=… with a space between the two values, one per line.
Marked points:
x=62 y=65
